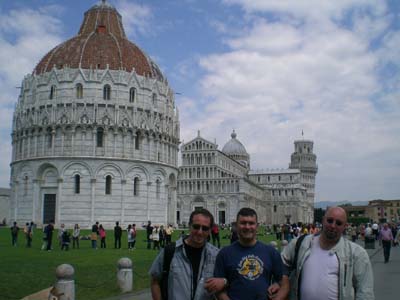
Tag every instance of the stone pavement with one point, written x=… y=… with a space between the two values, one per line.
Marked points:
x=386 y=277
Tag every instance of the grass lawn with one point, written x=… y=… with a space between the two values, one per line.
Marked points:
x=24 y=271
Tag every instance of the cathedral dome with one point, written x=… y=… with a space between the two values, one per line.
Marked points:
x=234 y=146
x=235 y=149
x=101 y=43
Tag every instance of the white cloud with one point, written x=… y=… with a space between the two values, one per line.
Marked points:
x=282 y=76
x=315 y=9
x=136 y=17
x=25 y=37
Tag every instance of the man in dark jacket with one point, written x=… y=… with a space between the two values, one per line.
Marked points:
x=48 y=231
x=117 y=235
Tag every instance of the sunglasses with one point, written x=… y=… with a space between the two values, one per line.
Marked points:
x=331 y=221
x=202 y=227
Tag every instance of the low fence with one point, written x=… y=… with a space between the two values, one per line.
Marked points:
x=64 y=287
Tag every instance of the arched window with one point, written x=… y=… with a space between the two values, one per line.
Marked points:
x=132 y=95
x=136 y=186
x=77 y=184
x=49 y=138
x=79 y=91
x=52 y=92
x=108 y=184
x=99 y=137
x=107 y=92
x=158 y=189
x=25 y=185
x=137 y=141
x=154 y=99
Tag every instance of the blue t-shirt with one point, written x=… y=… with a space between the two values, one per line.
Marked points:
x=248 y=269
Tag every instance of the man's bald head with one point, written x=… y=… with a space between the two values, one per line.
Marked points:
x=334 y=224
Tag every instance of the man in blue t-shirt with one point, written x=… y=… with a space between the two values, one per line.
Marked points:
x=250 y=266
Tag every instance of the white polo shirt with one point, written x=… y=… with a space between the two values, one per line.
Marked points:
x=320 y=274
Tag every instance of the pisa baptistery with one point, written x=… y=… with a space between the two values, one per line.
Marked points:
x=95 y=133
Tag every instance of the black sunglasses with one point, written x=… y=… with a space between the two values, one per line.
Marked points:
x=198 y=226
x=331 y=220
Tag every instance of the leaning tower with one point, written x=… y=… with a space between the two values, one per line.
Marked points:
x=305 y=160
x=95 y=132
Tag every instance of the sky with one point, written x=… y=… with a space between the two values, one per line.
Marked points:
x=268 y=69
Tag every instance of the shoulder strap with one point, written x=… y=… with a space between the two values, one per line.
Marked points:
x=169 y=251
x=296 y=249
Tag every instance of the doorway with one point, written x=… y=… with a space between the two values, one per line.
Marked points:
x=49 y=208
x=221 y=217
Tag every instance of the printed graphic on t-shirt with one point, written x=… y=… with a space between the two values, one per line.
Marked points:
x=250 y=267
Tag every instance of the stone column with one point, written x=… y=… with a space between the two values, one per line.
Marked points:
x=59 y=199
x=147 y=198
x=94 y=140
x=35 y=153
x=65 y=284
x=15 y=195
x=36 y=201
x=92 y=197
x=125 y=275
x=53 y=137
x=62 y=140
x=123 y=185
x=28 y=150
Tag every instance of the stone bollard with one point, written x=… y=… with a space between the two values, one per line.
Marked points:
x=124 y=275
x=65 y=284
x=284 y=244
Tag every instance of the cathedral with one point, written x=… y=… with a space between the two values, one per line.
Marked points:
x=222 y=181
x=96 y=136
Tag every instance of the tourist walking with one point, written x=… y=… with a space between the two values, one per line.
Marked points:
x=48 y=231
x=117 y=235
x=149 y=233
x=168 y=234
x=386 y=238
x=65 y=240
x=215 y=235
x=76 y=236
x=134 y=233
x=60 y=234
x=14 y=234
x=28 y=231
x=156 y=237
x=129 y=234
x=94 y=234
x=161 y=235
x=102 y=234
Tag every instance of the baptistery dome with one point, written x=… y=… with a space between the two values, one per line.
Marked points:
x=100 y=43
x=95 y=133
x=235 y=150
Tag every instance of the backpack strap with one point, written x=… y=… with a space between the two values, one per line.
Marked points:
x=169 y=252
x=296 y=249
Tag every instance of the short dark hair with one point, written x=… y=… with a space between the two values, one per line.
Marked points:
x=246 y=212
x=204 y=212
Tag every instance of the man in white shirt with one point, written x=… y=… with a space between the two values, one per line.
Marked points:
x=329 y=266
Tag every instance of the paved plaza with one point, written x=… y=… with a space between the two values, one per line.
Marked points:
x=386 y=277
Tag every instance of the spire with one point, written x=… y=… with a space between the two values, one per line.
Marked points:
x=233 y=134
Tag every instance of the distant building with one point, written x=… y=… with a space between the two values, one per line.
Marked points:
x=376 y=211
x=4 y=204
x=223 y=182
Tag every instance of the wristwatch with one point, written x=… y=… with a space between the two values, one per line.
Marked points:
x=225 y=282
